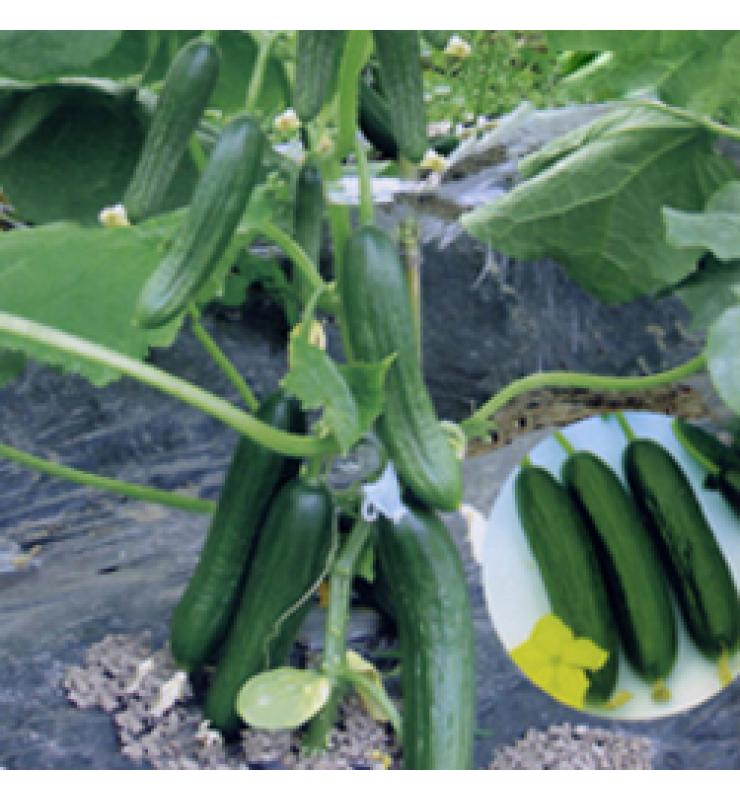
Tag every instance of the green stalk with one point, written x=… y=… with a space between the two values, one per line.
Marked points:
x=136 y=491
x=295 y=253
x=577 y=380
x=625 y=426
x=197 y=153
x=367 y=213
x=563 y=442
x=335 y=640
x=258 y=72
x=378 y=696
x=356 y=52
x=290 y=444
x=411 y=258
x=222 y=361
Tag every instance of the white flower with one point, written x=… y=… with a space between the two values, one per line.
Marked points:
x=434 y=161
x=114 y=217
x=287 y=122
x=457 y=47
x=316 y=336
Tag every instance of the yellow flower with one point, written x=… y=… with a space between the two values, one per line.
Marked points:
x=433 y=161
x=457 y=47
x=287 y=122
x=555 y=660
x=114 y=217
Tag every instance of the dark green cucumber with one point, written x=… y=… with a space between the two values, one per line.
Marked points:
x=308 y=219
x=375 y=124
x=317 y=62
x=187 y=88
x=701 y=443
x=728 y=484
x=696 y=567
x=561 y=545
x=203 y=614
x=399 y=57
x=217 y=205
x=379 y=322
x=429 y=594
x=290 y=555
x=636 y=585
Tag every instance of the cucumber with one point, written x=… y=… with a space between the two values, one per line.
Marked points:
x=429 y=594
x=728 y=484
x=399 y=58
x=218 y=203
x=379 y=323
x=187 y=88
x=637 y=588
x=698 y=441
x=290 y=555
x=308 y=220
x=696 y=567
x=562 y=548
x=317 y=63
x=202 y=615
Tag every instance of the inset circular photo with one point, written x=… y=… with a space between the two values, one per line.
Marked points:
x=611 y=565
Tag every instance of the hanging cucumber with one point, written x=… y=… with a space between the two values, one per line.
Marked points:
x=308 y=219
x=635 y=582
x=429 y=594
x=695 y=565
x=317 y=63
x=379 y=323
x=202 y=615
x=560 y=543
x=290 y=555
x=399 y=57
x=187 y=88
x=217 y=205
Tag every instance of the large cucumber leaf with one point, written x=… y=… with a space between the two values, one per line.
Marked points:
x=698 y=70
x=45 y=55
x=83 y=281
x=594 y=202
x=723 y=357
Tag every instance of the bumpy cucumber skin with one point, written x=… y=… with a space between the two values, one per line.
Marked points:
x=560 y=542
x=399 y=57
x=634 y=577
x=217 y=205
x=379 y=322
x=708 y=446
x=291 y=553
x=308 y=219
x=317 y=63
x=696 y=567
x=429 y=593
x=187 y=88
x=202 y=616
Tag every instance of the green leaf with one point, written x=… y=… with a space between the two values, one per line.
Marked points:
x=25 y=112
x=716 y=229
x=351 y=395
x=595 y=199
x=80 y=158
x=723 y=357
x=84 y=282
x=32 y=55
x=12 y=365
x=282 y=698
x=698 y=70
x=714 y=287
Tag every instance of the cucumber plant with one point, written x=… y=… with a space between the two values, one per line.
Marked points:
x=280 y=527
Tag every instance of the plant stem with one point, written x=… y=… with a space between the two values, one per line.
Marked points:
x=367 y=214
x=563 y=442
x=335 y=639
x=295 y=253
x=197 y=153
x=220 y=358
x=578 y=380
x=258 y=72
x=411 y=258
x=378 y=696
x=356 y=52
x=708 y=465
x=124 y=488
x=291 y=444
x=625 y=426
